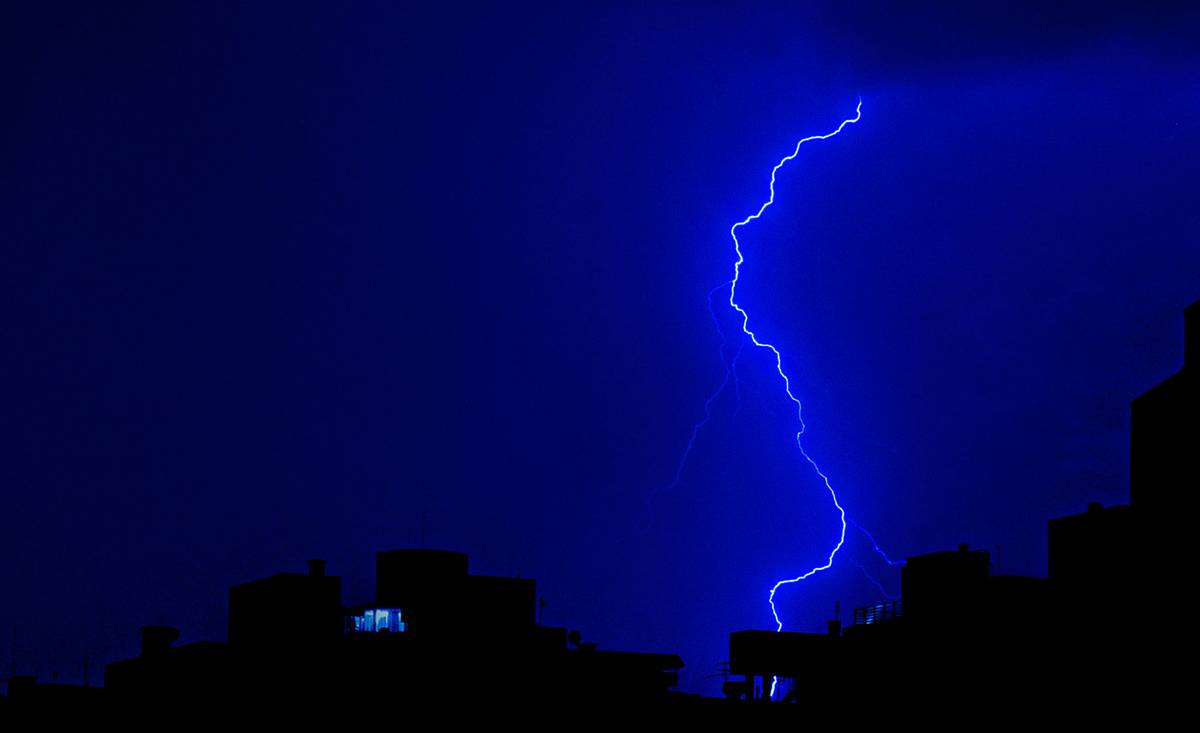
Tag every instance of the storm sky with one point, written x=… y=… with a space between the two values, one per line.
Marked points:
x=316 y=281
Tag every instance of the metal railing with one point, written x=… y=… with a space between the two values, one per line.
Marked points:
x=878 y=613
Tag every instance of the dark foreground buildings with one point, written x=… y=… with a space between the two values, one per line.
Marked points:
x=435 y=636
x=1097 y=636
x=1095 y=641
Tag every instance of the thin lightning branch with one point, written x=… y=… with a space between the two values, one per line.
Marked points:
x=875 y=582
x=708 y=403
x=730 y=364
x=737 y=383
x=888 y=560
x=713 y=315
x=787 y=382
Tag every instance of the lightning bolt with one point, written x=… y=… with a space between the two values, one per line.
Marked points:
x=787 y=382
x=730 y=374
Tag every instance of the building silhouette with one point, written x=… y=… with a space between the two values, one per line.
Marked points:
x=434 y=635
x=1088 y=635
x=962 y=643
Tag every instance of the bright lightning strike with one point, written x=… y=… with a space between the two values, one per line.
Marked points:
x=730 y=373
x=787 y=382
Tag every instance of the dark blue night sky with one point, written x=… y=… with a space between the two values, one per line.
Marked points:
x=291 y=282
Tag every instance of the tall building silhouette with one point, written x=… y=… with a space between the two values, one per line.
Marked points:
x=1088 y=634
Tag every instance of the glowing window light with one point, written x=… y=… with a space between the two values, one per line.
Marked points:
x=375 y=620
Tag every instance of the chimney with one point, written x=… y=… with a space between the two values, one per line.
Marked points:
x=158 y=639
x=1191 y=336
x=316 y=568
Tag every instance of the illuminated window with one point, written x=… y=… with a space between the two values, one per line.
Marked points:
x=378 y=619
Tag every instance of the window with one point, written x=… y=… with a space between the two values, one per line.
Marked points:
x=378 y=619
